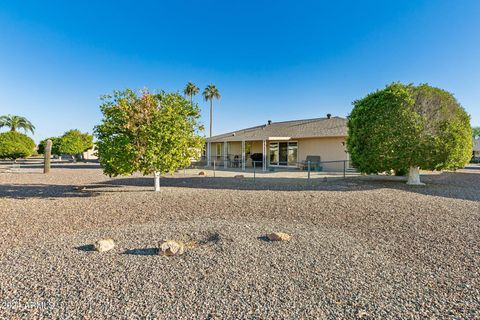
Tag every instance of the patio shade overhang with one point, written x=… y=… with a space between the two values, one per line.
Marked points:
x=278 y=138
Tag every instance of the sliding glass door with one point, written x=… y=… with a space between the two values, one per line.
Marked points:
x=283 y=153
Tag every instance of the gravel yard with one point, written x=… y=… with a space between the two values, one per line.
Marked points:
x=364 y=247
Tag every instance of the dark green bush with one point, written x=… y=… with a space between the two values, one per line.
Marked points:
x=14 y=145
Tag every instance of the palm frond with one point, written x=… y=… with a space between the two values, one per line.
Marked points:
x=191 y=89
x=211 y=92
x=16 y=122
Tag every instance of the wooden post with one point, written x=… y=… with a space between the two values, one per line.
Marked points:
x=47 y=155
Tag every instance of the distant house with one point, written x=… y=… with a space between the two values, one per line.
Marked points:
x=90 y=154
x=476 y=149
x=283 y=144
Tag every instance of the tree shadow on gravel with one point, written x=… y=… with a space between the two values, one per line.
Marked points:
x=86 y=248
x=25 y=191
x=142 y=252
x=263 y=238
x=456 y=185
x=62 y=166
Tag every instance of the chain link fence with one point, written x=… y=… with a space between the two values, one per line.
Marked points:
x=232 y=166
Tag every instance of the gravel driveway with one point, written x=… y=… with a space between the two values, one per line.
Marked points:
x=366 y=247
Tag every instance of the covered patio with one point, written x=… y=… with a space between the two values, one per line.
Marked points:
x=276 y=145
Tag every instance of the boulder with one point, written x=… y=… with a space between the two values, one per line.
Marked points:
x=171 y=248
x=202 y=173
x=239 y=176
x=103 y=245
x=278 y=236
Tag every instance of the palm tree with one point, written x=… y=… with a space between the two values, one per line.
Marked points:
x=16 y=122
x=211 y=92
x=191 y=90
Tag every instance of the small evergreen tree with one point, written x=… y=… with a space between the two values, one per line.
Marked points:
x=405 y=128
x=55 y=146
x=150 y=133
x=15 y=145
x=74 y=142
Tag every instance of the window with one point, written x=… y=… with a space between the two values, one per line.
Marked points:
x=292 y=153
x=219 y=150
x=283 y=153
x=274 y=153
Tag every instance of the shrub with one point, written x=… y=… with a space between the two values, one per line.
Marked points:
x=14 y=145
x=406 y=127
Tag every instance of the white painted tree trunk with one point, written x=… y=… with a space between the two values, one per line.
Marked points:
x=414 y=176
x=157 y=181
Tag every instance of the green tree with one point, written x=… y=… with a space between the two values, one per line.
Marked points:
x=74 y=142
x=55 y=146
x=211 y=92
x=476 y=132
x=405 y=128
x=16 y=122
x=150 y=133
x=15 y=145
x=191 y=90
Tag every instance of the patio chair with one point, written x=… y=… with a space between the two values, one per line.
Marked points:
x=315 y=162
x=236 y=161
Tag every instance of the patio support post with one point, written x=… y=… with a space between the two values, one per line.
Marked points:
x=264 y=159
x=225 y=155
x=209 y=154
x=243 y=155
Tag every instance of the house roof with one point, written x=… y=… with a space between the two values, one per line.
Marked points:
x=306 y=128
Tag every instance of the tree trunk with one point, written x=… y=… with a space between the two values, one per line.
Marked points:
x=414 y=176
x=157 y=181
x=210 y=118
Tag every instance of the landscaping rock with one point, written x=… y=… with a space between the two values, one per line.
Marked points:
x=103 y=245
x=202 y=173
x=278 y=236
x=239 y=176
x=171 y=248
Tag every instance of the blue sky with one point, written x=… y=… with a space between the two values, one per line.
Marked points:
x=277 y=60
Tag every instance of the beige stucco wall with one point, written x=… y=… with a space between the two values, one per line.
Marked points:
x=329 y=149
x=235 y=148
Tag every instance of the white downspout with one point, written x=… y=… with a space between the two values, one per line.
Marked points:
x=243 y=155
x=225 y=155
x=264 y=159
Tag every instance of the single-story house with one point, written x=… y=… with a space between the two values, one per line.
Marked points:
x=283 y=144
